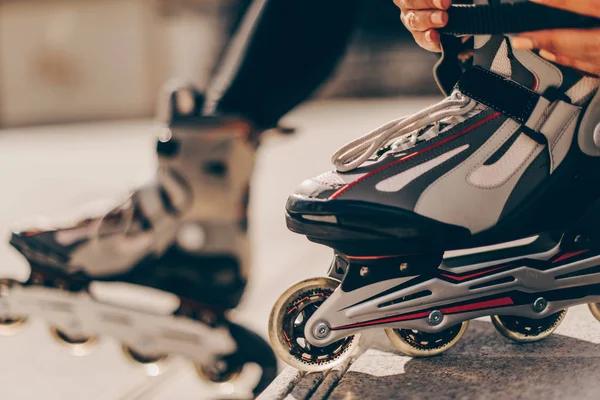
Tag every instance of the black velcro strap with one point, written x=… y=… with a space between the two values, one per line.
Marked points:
x=504 y=95
x=512 y=18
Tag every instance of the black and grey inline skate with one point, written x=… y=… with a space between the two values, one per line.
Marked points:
x=511 y=154
x=184 y=234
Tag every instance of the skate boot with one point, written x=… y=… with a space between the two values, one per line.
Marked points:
x=184 y=234
x=510 y=154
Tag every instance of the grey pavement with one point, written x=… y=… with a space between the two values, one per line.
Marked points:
x=483 y=365
x=52 y=171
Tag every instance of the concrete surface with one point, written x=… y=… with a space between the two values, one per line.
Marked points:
x=51 y=171
x=483 y=365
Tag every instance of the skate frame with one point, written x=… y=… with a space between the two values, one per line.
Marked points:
x=403 y=292
x=79 y=314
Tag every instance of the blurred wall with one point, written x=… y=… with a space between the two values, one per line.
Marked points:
x=74 y=60
x=78 y=60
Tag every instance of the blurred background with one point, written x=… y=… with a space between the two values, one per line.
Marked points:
x=80 y=60
x=78 y=89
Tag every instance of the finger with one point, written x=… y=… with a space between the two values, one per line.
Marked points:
x=579 y=44
x=429 y=40
x=585 y=7
x=406 y=5
x=571 y=62
x=421 y=21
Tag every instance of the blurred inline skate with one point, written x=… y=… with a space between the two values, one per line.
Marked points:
x=185 y=234
x=511 y=154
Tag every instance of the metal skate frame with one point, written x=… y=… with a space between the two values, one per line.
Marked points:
x=532 y=281
x=80 y=315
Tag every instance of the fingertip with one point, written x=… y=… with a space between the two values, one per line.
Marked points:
x=428 y=37
x=432 y=36
x=548 y=55
x=444 y=4
x=439 y=19
x=445 y=18
x=523 y=43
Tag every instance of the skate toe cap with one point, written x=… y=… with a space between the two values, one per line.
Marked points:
x=39 y=242
x=313 y=189
x=321 y=187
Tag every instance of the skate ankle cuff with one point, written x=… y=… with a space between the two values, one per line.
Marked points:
x=510 y=98
x=499 y=93
x=511 y=18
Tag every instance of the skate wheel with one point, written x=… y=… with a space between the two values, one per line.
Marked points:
x=595 y=309
x=10 y=325
x=79 y=346
x=288 y=319
x=220 y=372
x=423 y=344
x=139 y=358
x=527 y=330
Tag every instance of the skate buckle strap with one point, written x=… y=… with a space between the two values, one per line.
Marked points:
x=511 y=18
x=512 y=99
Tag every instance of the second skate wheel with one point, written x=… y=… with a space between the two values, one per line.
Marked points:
x=288 y=318
x=10 y=325
x=79 y=346
x=139 y=358
x=527 y=330
x=220 y=372
x=595 y=309
x=423 y=344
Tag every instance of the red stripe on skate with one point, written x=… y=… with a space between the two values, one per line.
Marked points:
x=461 y=278
x=505 y=301
x=412 y=155
x=536 y=84
x=569 y=255
x=384 y=321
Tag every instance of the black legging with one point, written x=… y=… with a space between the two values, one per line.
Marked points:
x=280 y=54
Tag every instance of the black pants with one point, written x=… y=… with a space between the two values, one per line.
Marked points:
x=281 y=52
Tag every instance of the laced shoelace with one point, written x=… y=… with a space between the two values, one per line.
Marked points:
x=403 y=133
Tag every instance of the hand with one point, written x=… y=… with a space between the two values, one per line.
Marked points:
x=576 y=48
x=422 y=17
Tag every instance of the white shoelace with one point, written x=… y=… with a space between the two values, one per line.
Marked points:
x=403 y=133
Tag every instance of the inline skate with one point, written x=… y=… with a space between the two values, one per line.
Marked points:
x=184 y=235
x=510 y=157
